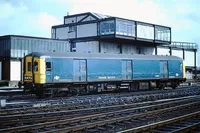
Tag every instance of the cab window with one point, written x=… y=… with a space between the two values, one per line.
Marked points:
x=181 y=67
x=35 y=66
x=29 y=66
x=48 y=66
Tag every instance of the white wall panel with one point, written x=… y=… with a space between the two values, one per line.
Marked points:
x=189 y=58
x=107 y=47
x=70 y=20
x=129 y=49
x=147 y=50
x=163 y=51
x=62 y=33
x=144 y=31
x=87 y=30
x=87 y=47
x=15 y=70
x=178 y=53
x=0 y=70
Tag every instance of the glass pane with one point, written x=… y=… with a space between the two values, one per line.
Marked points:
x=162 y=33
x=48 y=66
x=29 y=66
x=125 y=27
x=107 y=27
x=35 y=66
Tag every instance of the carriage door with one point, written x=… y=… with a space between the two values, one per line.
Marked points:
x=126 y=69
x=163 y=69
x=79 y=70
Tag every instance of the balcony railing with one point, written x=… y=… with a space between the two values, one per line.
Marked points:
x=184 y=45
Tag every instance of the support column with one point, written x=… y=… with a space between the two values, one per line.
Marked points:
x=99 y=46
x=156 y=50
x=170 y=51
x=22 y=68
x=183 y=54
x=120 y=48
x=195 y=63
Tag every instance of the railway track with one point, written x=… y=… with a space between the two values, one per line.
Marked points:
x=99 y=119
x=115 y=97
x=97 y=100
x=186 y=123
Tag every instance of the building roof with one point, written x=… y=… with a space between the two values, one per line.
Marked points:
x=100 y=16
x=33 y=37
x=103 y=16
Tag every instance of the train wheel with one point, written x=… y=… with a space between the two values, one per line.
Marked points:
x=39 y=92
x=174 y=85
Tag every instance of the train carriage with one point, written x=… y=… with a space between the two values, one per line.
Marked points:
x=47 y=73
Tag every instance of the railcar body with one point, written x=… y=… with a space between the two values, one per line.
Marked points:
x=86 y=72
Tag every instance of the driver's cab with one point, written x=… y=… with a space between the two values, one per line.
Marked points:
x=34 y=70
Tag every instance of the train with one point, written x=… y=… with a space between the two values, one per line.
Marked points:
x=50 y=73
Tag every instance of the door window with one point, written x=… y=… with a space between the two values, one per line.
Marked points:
x=35 y=66
x=48 y=66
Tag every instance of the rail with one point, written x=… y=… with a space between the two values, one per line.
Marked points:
x=110 y=117
x=166 y=122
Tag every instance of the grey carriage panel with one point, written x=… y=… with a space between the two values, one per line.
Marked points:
x=103 y=56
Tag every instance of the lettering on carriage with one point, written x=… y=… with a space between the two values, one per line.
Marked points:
x=106 y=77
x=111 y=77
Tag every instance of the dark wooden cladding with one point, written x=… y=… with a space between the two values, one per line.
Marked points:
x=6 y=70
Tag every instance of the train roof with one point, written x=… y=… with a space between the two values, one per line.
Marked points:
x=101 y=56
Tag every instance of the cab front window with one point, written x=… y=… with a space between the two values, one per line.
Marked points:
x=35 y=66
x=29 y=66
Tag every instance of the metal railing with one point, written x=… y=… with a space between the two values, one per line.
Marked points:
x=184 y=45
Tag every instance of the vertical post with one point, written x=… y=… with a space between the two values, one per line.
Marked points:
x=139 y=50
x=99 y=46
x=154 y=27
x=23 y=65
x=170 y=35
x=170 y=51
x=135 y=30
x=156 y=50
x=195 y=64
x=120 y=48
x=183 y=54
x=115 y=27
x=22 y=72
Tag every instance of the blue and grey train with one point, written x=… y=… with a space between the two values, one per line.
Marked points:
x=48 y=73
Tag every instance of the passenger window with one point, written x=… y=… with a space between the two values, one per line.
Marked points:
x=29 y=66
x=48 y=66
x=35 y=66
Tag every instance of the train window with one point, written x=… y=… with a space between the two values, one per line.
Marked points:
x=29 y=66
x=48 y=66
x=35 y=66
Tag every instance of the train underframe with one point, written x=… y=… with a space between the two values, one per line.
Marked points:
x=81 y=88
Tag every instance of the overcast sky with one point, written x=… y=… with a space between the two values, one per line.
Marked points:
x=35 y=17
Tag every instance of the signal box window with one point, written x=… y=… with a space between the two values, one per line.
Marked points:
x=48 y=66
x=35 y=66
x=29 y=66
